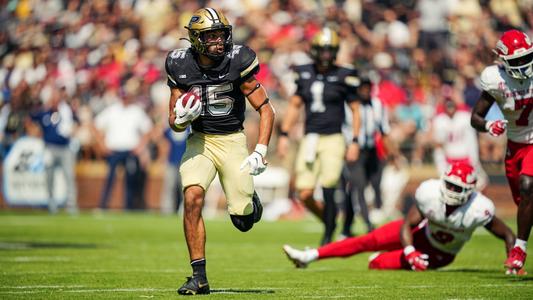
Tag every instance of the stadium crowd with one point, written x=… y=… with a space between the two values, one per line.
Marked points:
x=417 y=54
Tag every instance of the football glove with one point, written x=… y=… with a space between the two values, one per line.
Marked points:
x=186 y=113
x=497 y=127
x=417 y=260
x=256 y=161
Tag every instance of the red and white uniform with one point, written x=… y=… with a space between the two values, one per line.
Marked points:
x=457 y=137
x=450 y=233
x=515 y=99
x=439 y=236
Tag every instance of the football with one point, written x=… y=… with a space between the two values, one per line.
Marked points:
x=189 y=96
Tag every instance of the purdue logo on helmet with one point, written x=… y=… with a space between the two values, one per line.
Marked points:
x=205 y=20
x=324 y=47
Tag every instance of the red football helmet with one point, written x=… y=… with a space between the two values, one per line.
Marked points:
x=458 y=182
x=516 y=53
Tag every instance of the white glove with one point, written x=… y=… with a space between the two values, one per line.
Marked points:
x=186 y=113
x=256 y=160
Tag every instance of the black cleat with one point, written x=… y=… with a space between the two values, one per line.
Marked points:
x=194 y=286
x=258 y=208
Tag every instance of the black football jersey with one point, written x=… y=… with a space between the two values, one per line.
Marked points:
x=223 y=103
x=324 y=96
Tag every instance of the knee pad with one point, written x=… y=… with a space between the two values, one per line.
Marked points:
x=243 y=223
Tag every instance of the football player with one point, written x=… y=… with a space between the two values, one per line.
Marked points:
x=510 y=86
x=455 y=140
x=223 y=76
x=322 y=88
x=446 y=213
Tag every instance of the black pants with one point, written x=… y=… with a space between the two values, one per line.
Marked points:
x=135 y=178
x=366 y=170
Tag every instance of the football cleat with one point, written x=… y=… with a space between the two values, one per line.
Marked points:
x=193 y=286
x=258 y=207
x=516 y=259
x=297 y=257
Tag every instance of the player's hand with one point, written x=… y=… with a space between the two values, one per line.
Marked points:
x=256 y=161
x=186 y=113
x=417 y=260
x=497 y=127
x=352 y=153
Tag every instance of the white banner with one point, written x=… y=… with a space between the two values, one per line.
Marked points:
x=25 y=177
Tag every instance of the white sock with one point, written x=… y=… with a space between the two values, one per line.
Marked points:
x=311 y=255
x=521 y=243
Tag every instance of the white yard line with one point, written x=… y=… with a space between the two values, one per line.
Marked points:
x=35 y=258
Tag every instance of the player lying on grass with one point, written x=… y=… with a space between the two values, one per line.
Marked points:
x=446 y=213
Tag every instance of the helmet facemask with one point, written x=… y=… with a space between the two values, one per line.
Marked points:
x=455 y=192
x=520 y=67
x=324 y=56
x=227 y=43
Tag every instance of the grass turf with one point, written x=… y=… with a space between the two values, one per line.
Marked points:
x=139 y=255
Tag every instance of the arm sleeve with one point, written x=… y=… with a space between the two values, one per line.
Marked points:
x=352 y=81
x=171 y=81
x=249 y=63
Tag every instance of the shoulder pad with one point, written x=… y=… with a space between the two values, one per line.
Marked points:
x=351 y=77
x=426 y=192
x=174 y=62
x=247 y=61
x=490 y=78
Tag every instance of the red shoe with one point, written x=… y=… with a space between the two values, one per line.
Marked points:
x=516 y=259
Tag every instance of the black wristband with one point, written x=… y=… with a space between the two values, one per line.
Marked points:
x=283 y=133
x=355 y=140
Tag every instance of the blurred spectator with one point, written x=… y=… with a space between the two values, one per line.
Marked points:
x=56 y=121
x=172 y=194
x=123 y=129
x=455 y=140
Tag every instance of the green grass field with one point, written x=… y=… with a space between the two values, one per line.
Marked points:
x=137 y=256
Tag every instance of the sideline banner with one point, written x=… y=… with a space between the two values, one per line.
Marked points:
x=25 y=177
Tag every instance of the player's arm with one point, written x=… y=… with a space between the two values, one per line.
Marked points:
x=258 y=98
x=291 y=116
x=417 y=260
x=502 y=231
x=352 y=153
x=480 y=110
x=413 y=218
x=175 y=93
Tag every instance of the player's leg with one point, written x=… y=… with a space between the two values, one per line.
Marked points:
x=331 y=156
x=197 y=172
x=306 y=178
x=244 y=206
x=517 y=255
x=349 y=211
x=384 y=238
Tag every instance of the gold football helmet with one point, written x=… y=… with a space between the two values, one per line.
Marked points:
x=205 y=20
x=324 y=47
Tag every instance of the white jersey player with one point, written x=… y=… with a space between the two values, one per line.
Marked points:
x=456 y=141
x=510 y=86
x=446 y=213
